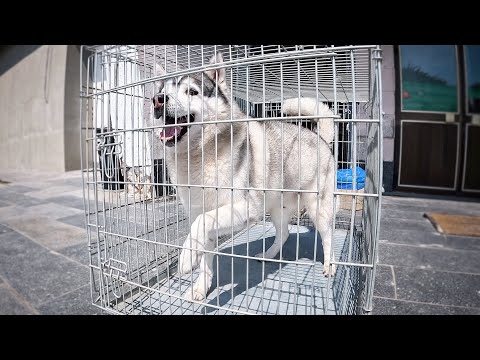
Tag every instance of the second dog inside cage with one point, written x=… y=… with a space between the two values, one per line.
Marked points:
x=213 y=168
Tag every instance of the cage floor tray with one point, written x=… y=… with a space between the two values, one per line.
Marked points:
x=243 y=285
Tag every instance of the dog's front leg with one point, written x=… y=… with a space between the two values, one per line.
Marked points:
x=202 y=237
x=200 y=288
x=196 y=243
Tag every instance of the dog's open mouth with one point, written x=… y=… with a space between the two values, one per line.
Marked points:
x=169 y=134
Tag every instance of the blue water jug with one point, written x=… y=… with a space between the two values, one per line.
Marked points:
x=344 y=178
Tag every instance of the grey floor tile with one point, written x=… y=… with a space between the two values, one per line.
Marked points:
x=36 y=273
x=442 y=206
x=10 y=305
x=438 y=287
x=50 y=210
x=455 y=208
x=4 y=229
x=51 y=191
x=33 y=184
x=462 y=242
x=401 y=307
x=51 y=233
x=71 y=201
x=384 y=284
x=75 y=220
x=414 y=208
x=4 y=203
x=389 y=214
x=429 y=258
x=74 y=181
x=77 y=193
x=390 y=234
x=77 y=302
x=389 y=226
x=437 y=202
x=411 y=237
x=18 y=199
x=20 y=188
x=78 y=253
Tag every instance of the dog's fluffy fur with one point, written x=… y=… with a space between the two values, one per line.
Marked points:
x=256 y=162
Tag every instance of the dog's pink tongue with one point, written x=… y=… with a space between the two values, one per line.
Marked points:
x=170 y=132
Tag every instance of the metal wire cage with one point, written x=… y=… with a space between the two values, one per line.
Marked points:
x=138 y=210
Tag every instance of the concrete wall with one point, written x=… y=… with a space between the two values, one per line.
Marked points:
x=388 y=91
x=32 y=109
x=39 y=107
x=72 y=109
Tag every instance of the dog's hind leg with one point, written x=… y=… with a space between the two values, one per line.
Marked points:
x=280 y=220
x=323 y=220
x=203 y=238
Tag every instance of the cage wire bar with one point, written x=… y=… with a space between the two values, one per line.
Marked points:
x=135 y=218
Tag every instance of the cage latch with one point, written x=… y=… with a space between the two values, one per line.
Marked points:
x=116 y=271
x=109 y=147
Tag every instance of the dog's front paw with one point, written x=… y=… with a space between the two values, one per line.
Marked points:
x=195 y=293
x=329 y=269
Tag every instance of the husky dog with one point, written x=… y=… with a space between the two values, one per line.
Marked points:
x=240 y=155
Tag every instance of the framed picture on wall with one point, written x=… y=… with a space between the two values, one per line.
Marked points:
x=429 y=78
x=472 y=77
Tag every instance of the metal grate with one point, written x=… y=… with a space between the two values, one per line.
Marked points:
x=146 y=198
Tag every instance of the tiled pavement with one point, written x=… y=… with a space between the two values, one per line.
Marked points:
x=43 y=252
x=43 y=247
x=422 y=271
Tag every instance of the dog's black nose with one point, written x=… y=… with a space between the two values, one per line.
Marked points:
x=159 y=100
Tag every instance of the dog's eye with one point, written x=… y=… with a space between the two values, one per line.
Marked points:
x=193 y=92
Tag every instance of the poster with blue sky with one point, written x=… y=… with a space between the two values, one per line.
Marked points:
x=429 y=78
x=472 y=56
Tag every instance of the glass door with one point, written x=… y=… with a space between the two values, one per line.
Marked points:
x=471 y=163
x=428 y=117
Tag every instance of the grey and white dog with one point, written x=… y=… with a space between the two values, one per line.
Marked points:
x=240 y=155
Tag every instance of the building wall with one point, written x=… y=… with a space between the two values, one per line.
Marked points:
x=388 y=92
x=39 y=105
x=72 y=109
x=32 y=104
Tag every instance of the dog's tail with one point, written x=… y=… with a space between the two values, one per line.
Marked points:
x=310 y=107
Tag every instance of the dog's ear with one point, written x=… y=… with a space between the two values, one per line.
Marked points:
x=159 y=71
x=216 y=74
